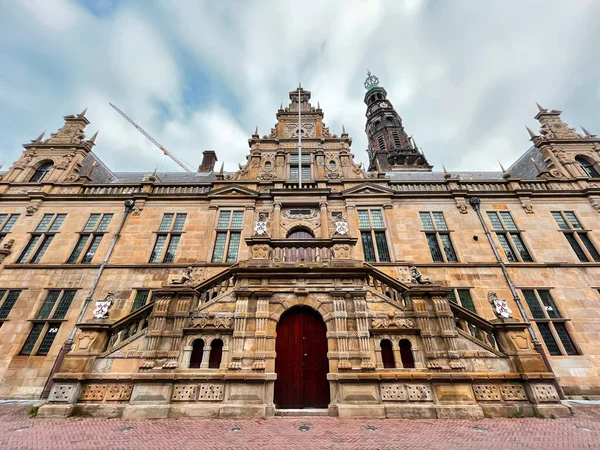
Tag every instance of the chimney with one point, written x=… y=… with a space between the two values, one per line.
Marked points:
x=209 y=158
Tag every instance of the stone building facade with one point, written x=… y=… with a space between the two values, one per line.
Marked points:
x=302 y=280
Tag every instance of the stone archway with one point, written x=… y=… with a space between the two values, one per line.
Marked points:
x=301 y=363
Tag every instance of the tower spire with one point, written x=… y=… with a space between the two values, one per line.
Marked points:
x=390 y=147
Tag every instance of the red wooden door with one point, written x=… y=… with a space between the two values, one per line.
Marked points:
x=301 y=362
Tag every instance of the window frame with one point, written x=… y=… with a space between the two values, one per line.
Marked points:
x=90 y=237
x=52 y=320
x=227 y=231
x=508 y=235
x=39 y=175
x=7 y=223
x=40 y=240
x=548 y=321
x=306 y=165
x=5 y=296
x=148 y=299
x=437 y=232
x=172 y=234
x=458 y=300
x=372 y=232
x=576 y=232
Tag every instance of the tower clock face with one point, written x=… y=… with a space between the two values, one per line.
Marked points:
x=383 y=104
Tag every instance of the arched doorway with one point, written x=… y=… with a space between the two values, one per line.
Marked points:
x=300 y=252
x=301 y=363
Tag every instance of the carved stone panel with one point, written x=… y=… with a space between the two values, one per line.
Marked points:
x=184 y=393
x=393 y=392
x=419 y=392
x=513 y=392
x=211 y=392
x=118 y=392
x=93 y=392
x=487 y=392
x=61 y=392
x=545 y=393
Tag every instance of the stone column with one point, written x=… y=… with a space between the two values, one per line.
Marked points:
x=275 y=233
x=186 y=356
x=362 y=328
x=157 y=321
x=324 y=221
x=423 y=323
x=446 y=324
x=396 y=351
x=262 y=316
x=378 y=358
x=353 y=230
x=244 y=252
x=239 y=329
x=205 y=356
x=341 y=329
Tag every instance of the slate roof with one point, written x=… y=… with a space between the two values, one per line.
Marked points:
x=439 y=176
x=166 y=177
x=524 y=167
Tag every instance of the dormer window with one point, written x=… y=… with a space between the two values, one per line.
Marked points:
x=587 y=167
x=41 y=172
x=295 y=167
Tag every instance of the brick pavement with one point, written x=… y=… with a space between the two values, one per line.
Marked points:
x=17 y=431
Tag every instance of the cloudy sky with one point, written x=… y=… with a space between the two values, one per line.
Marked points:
x=197 y=75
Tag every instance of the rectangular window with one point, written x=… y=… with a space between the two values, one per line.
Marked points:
x=7 y=221
x=90 y=239
x=576 y=236
x=47 y=322
x=373 y=235
x=549 y=321
x=168 y=237
x=44 y=233
x=229 y=226
x=509 y=236
x=8 y=299
x=438 y=237
x=295 y=167
x=463 y=298
x=141 y=298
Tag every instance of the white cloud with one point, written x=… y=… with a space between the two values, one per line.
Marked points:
x=462 y=75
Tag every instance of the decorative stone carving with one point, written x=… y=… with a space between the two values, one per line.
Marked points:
x=61 y=392
x=212 y=322
x=396 y=323
x=260 y=226
x=211 y=392
x=462 y=206
x=8 y=244
x=184 y=392
x=417 y=277
x=291 y=130
x=513 y=392
x=499 y=306
x=63 y=164
x=261 y=251
x=487 y=392
x=185 y=278
x=419 y=393
x=118 y=392
x=73 y=178
x=545 y=393
x=25 y=160
x=341 y=251
x=393 y=392
x=93 y=392
x=102 y=306
x=85 y=340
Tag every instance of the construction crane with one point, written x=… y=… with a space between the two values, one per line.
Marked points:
x=151 y=139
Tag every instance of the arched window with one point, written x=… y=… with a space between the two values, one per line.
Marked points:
x=377 y=125
x=396 y=139
x=587 y=167
x=216 y=353
x=268 y=165
x=197 y=351
x=387 y=354
x=301 y=233
x=389 y=120
x=41 y=172
x=406 y=355
x=381 y=142
x=332 y=164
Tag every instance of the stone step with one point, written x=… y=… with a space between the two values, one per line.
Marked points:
x=301 y=412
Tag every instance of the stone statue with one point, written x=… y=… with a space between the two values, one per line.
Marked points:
x=499 y=306
x=8 y=244
x=417 y=277
x=102 y=306
x=185 y=278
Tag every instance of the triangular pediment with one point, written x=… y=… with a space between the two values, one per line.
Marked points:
x=368 y=190
x=235 y=190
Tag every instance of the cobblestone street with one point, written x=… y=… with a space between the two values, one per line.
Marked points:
x=17 y=431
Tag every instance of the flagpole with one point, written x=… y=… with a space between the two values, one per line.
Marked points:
x=299 y=140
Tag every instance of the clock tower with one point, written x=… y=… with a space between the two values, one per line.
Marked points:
x=390 y=148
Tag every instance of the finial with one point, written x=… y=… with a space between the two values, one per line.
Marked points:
x=506 y=175
x=93 y=138
x=256 y=131
x=90 y=170
x=39 y=138
x=344 y=129
x=318 y=105
x=377 y=165
x=82 y=113
x=531 y=133
x=299 y=85
x=538 y=168
x=281 y=105
x=446 y=173
x=542 y=109
x=222 y=168
x=371 y=81
x=587 y=133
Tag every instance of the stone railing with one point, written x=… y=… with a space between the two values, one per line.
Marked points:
x=213 y=287
x=108 y=189
x=301 y=250
x=386 y=286
x=475 y=326
x=297 y=186
x=180 y=189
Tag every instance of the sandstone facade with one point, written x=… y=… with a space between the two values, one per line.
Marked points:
x=197 y=271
